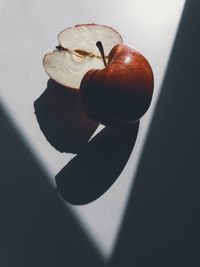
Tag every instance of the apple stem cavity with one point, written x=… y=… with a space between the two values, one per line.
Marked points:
x=101 y=50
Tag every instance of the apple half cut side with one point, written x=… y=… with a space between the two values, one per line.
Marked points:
x=78 y=53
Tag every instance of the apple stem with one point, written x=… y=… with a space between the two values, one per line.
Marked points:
x=101 y=50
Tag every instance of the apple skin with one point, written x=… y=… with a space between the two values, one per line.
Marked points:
x=121 y=93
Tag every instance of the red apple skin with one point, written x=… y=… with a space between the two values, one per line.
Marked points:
x=121 y=93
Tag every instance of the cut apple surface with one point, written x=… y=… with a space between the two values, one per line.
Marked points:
x=78 y=53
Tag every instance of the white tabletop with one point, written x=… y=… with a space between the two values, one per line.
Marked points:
x=28 y=30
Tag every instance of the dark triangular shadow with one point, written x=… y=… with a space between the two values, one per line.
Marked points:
x=91 y=173
x=161 y=225
x=36 y=227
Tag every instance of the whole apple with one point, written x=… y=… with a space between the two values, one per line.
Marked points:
x=120 y=93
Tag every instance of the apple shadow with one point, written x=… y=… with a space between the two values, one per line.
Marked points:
x=62 y=119
x=91 y=173
x=67 y=128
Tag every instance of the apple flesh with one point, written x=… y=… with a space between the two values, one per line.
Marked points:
x=120 y=93
x=77 y=53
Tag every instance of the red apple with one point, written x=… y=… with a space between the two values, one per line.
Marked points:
x=115 y=80
x=77 y=53
x=120 y=93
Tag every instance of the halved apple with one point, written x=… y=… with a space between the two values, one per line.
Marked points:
x=78 y=53
x=115 y=80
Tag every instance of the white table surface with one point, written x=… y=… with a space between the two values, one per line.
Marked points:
x=28 y=30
